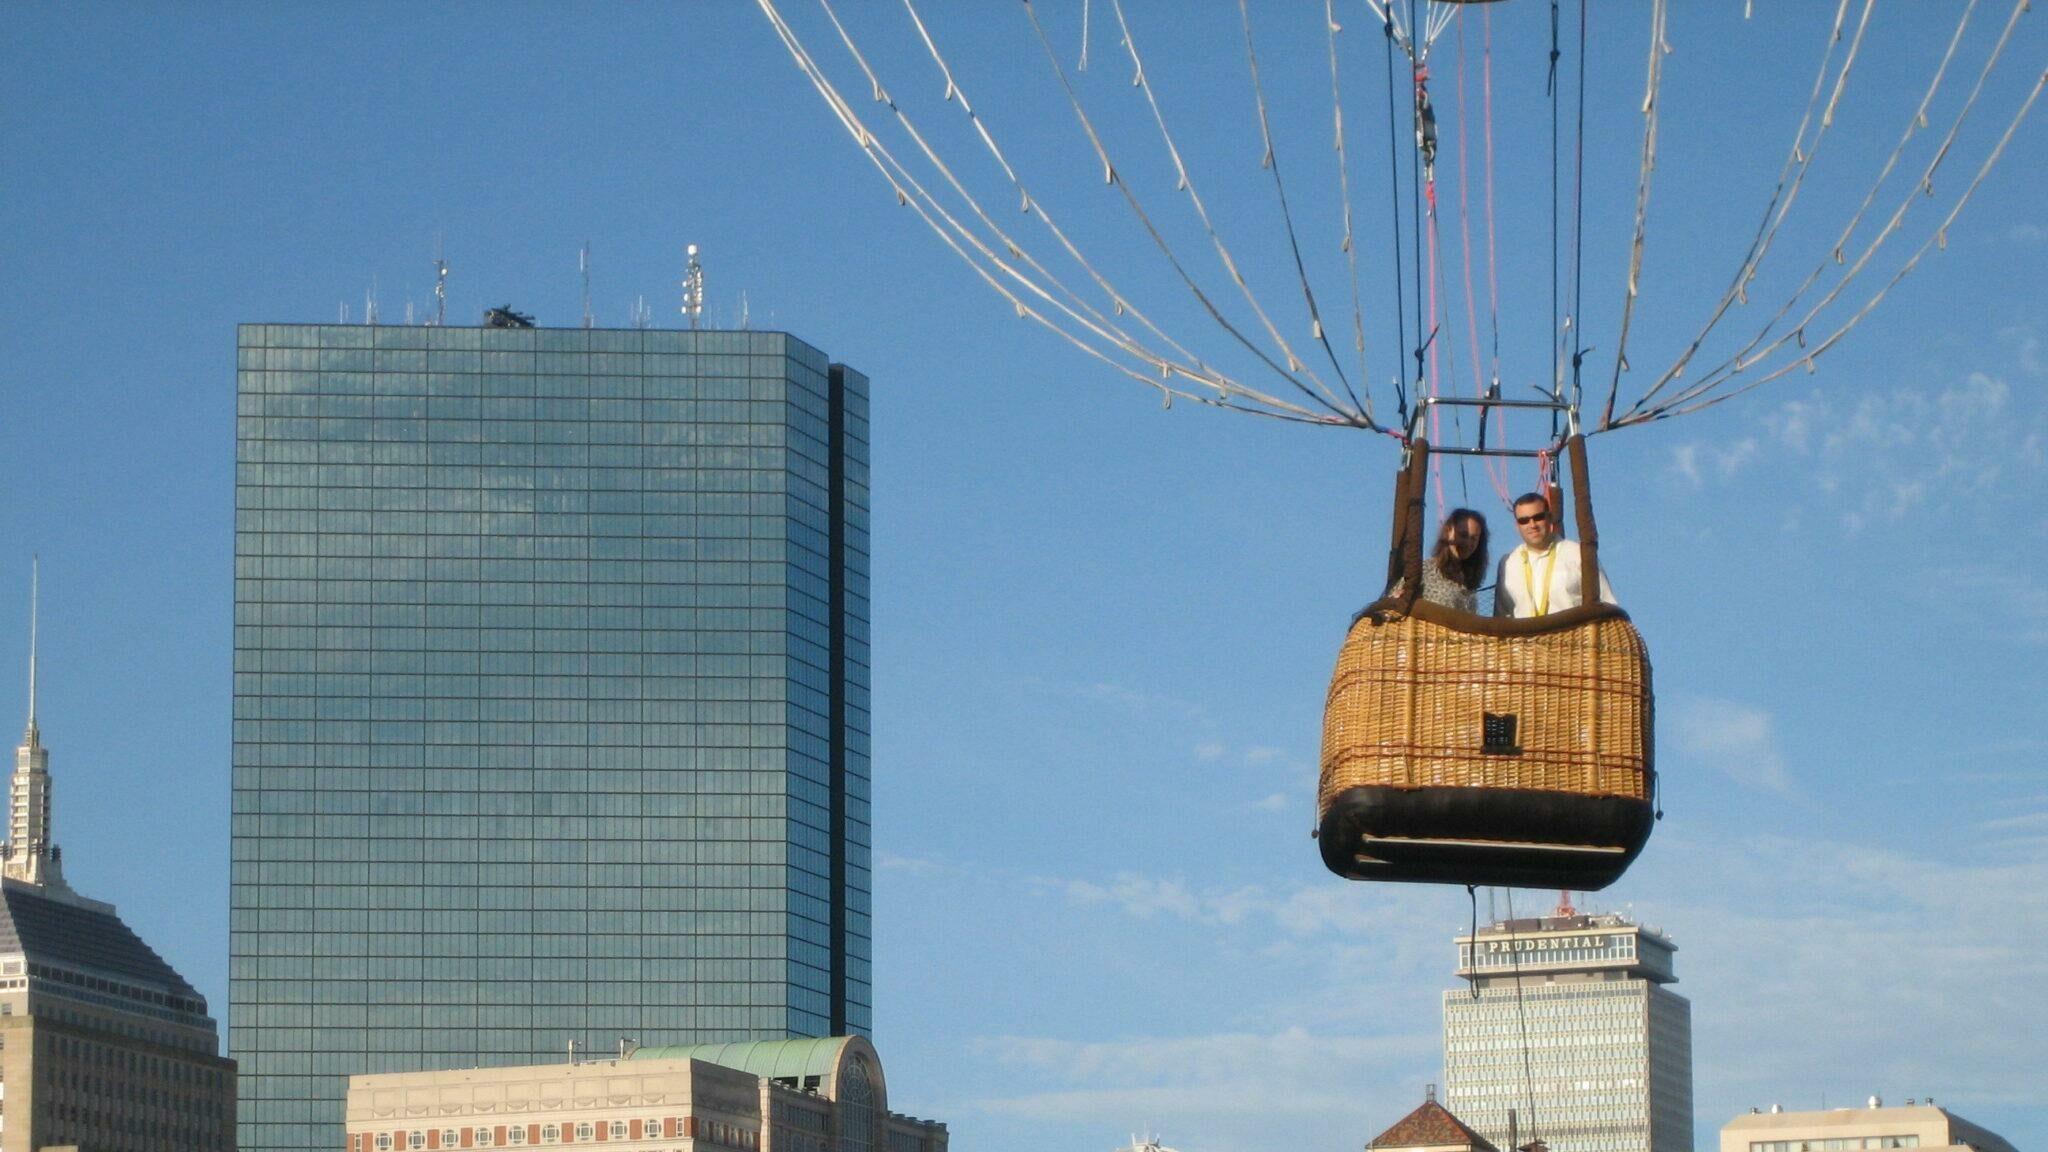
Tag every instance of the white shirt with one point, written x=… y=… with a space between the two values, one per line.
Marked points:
x=1512 y=594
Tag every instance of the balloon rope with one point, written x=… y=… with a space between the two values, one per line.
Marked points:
x=1797 y=161
x=1749 y=356
x=1272 y=163
x=1651 y=84
x=1350 y=245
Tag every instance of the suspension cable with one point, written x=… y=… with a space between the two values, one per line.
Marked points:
x=1914 y=124
x=1344 y=193
x=1424 y=336
x=1272 y=164
x=1555 y=351
x=1095 y=320
x=911 y=193
x=1578 y=318
x=1940 y=237
x=1797 y=162
x=1522 y=1018
x=957 y=94
x=1479 y=385
x=1653 y=81
x=1749 y=356
x=1320 y=394
x=1327 y=398
x=1394 y=218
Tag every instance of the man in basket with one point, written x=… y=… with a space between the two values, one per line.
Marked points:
x=1544 y=573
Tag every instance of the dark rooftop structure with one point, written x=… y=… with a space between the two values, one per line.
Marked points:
x=87 y=938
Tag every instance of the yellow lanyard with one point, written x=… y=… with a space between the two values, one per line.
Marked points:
x=1529 y=578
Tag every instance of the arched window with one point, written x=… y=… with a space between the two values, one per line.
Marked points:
x=856 y=1101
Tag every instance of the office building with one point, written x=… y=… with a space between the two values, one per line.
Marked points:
x=823 y=1095
x=1915 y=1125
x=550 y=701
x=103 y=1046
x=1563 y=1030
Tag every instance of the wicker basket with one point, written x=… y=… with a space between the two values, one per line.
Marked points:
x=1408 y=707
x=1474 y=750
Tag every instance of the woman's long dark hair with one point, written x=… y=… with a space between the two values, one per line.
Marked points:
x=1471 y=571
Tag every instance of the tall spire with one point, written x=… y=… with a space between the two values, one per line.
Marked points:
x=31 y=854
x=35 y=580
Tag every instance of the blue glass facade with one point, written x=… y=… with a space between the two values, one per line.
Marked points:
x=551 y=701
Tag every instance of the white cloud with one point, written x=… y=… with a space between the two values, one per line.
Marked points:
x=1134 y=701
x=1277 y=802
x=1696 y=463
x=1733 y=738
x=1209 y=751
x=1818 y=965
x=2018 y=601
x=2026 y=345
x=1814 y=964
x=913 y=865
x=1308 y=912
x=1887 y=454
x=1146 y=897
x=2026 y=822
x=2026 y=234
x=1220 y=1092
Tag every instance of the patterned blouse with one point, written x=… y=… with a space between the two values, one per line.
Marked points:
x=1438 y=588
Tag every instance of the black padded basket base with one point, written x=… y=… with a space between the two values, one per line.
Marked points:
x=1498 y=837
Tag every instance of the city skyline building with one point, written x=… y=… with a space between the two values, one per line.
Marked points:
x=551 y=701
x=1915 y=1124
x=1564 y=1031
x=103 y=1045
x=815 y=1095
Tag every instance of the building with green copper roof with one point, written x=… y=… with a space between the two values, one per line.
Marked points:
x=806 y=1095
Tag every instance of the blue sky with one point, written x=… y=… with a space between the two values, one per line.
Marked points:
x=1102 y=630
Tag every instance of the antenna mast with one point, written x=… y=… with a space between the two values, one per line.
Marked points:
x=693 y=288
x=35 y=581
x=583 y=263
x=440 y=286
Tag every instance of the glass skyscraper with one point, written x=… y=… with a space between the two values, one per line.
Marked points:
x=551 y=701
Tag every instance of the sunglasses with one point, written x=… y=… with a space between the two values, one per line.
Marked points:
x=1538 y=518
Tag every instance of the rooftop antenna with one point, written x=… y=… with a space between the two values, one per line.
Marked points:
x=344 y=312
x=370 y=302
x=643 y=316
x=408 y=313
x=583 y=264
x=440 y=285
x=693 y=288
x=746 y=318
x=35 y=581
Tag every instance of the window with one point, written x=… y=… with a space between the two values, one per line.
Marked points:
x=383 y=1142
x=483 y=1137
x=550 y=1133
x=517 y=1132
x=618 y=1129
x=450 y=1138
x=584 y=1131
x=416 y=1140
